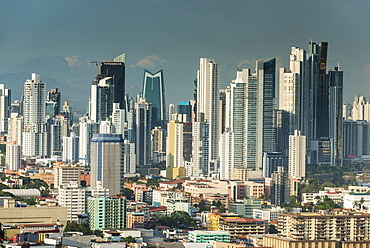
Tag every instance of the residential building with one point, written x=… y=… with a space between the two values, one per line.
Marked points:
x=129 y=157
x=101 y=99
x=53 y=103
x=87 y=129
x=5 y=103
x=200 y=157
x=158 y=137
x=279 y=187
x=107 y=212
x=324 y=226
x=242 y=226
x=175 y=156
x=297 y=155
x=66 y=174
x=272 y=160
x=34 y=130
x=245 y=209
x=13 y=156
x=208 y=81
x=70 y=149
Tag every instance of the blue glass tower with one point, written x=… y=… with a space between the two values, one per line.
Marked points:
x=153 y=92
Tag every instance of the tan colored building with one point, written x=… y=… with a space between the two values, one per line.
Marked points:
x=66 y=174
x=135 y=219
x=9 y=214
x=242 y=226
x=325 y=226
x=273 y=240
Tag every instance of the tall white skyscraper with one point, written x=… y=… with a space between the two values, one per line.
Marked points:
x=226 y=152
x=5 y=102
x=70 y=148
x=87 y=129
x=101 y=99
x=129 y=157
x=208 y=97
x=34 y=130
x=297 y=155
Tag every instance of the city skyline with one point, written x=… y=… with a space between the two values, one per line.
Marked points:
x=61 y=53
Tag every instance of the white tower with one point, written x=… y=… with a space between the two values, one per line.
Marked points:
x=297 y=155
x=5 y=102
x=34 y=132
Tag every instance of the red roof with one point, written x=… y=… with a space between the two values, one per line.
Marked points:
x=173 y=182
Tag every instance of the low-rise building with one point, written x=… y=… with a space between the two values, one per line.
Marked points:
x=206 y=236
x=242 y=226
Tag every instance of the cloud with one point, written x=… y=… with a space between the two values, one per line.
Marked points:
x=150 y=62
x=250 y=63
x=75 y=61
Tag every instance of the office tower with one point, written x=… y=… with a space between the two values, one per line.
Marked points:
x=279 y=187
x=34 y=131
x=53 y=101
x=355 y=139
x=70 y=148
x=360 y=109
x=222 y=114
x=101 y=99
x=174 y=150
x=5 y=103
x=129 y=157
x=67 y=112
x=158 y=137
x=273 y=160
x=107 y=162
x=208 y=99
x=226 y=154
x=281 y=126
x=200 y=158
x=185 y=110
x=116 y=70
x=321 y=151
x=107 y=213
x=87 y=129
x=57 y=128
x=143 y=128
x=297 y=155
x=336 y=113
x=187 y=143
x=317 y=82
x=153 y=92
x=13 y=156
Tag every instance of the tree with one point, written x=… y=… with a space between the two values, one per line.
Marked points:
x=72 y=226
x=129 y=239
x=32 y=201
x=203 y=206
x=129 y=193
x=179 y=186
x=273 y=230
x=2 y=235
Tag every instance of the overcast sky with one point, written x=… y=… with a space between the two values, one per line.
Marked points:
x=58 y=38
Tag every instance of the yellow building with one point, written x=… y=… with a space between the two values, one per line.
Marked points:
x=174 y=150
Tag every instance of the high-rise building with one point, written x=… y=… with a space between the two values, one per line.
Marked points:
x=34 y=129
x=70 y=148
x=153 y=92
x=273 y=160
x=13 y=156
x=87 y=129
x=101 y=99
x=5 y=103
x=336 y=113
x=158 y=137
x=226 y=154
x=355 y=139
x=281 y=126
x=143 y=128
x=107 y=162
x=67 y=112
x=53 y=102
x=15 y=125
x=116 y=70
x=174 y=150
x=107 y=213
x=129 y=157
x=279 y=187
x=297 y=155
x=119 y=120
x=208 y=100
x=200 y=158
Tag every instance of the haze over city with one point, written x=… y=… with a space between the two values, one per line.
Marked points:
x=58 y=38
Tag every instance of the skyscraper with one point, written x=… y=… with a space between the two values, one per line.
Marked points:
x=107 y=162
x=5 y=103
x=153 y=92
x=142 y=140
x=297 y=155
x=208 y=100
x=34 y=131
x=101 y=99
x=335 y=78
x=116 y=70
x=53 y=102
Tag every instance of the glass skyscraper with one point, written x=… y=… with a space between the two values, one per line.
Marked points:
x=153 y=92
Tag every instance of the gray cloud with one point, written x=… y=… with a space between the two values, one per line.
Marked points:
x=150 y=62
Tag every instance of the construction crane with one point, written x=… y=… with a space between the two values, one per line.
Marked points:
x=97 y=64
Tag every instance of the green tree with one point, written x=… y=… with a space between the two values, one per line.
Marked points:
x=179 y=186
x=325 y=203
x=2 y=235
x=129 y=239
x=203 y=206
x=273 y=230
x=72 y=226
x=32 y=201
x=129 y=193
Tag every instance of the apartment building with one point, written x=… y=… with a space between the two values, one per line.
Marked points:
x=343 y=226
x=242 y=226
